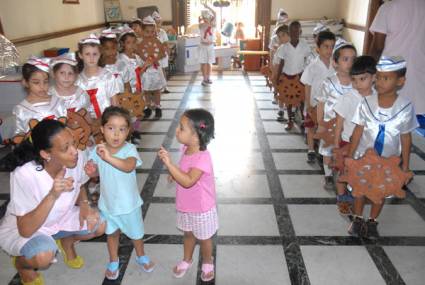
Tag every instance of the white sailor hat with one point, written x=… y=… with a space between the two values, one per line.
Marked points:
x=148 y=20
x=91 y=39
x=320 y=27
x=282 y=16
x=341 y=43
x=156 y=16
x=41 y=63
x=123 y=30
x=390 y=63
x=68 y=58
x=109 y=33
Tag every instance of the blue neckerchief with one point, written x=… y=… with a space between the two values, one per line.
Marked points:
x=379 y=141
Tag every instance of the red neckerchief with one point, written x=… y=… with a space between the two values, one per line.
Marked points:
x=207 y=32
x=93 y=100
x=138 y=71
x=71 y=110
x=51 y=117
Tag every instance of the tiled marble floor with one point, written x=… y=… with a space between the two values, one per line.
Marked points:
x=277 y=224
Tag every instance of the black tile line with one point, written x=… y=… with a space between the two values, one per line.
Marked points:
x=418 y=151
x=294 y=259
x=415 y=203
x=384 y=265
x=126 y=247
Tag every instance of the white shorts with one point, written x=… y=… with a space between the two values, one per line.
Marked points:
x=206 y=54
x=202 y=225
x=163 y=62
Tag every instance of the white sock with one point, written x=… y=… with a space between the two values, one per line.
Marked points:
x=328 y=171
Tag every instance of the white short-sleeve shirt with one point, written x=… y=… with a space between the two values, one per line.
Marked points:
x=403 y=23
x=294 y=57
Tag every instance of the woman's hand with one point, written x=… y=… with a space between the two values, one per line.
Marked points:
x=90 y=215
x=164 y=156
x=103 y=152
x=91 y=169
x=62 y=184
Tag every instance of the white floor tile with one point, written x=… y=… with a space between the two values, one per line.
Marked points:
x=164 y=188
x=400 y=220
x=293 y=161
x=242 y=186
x=288 y=142
x=351 y=265
x=151 y=141
x=7 y=270
x=251 y=265
x=409 y=262
x=154 y=126
x=266 y=104
x=417 y=186
x=416 y=162
x=304 y=186
x=170 y=104
x=161 y=219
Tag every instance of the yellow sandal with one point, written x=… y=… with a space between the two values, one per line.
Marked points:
x=75 y=263
x=37 y=281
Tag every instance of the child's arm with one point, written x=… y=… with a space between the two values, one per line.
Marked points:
x=355 y=139
x=186 y=180
x=307 y=96
x=114 y=100
x=320 y=113
x=338 y=129
x=279 y=71
x=406 y=143
x=91 y=169
x=126 y=165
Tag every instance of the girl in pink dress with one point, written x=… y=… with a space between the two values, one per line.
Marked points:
x=195 y=191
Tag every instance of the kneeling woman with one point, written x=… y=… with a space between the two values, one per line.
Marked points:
x=48 y=202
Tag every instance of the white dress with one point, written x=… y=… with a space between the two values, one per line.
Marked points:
x=100 y=88
x=74 y=102
x=121 y=71
x=153 y=79
x=25 y=111
x=388 y=122
x=28 y=187
x=163 y=37
x=332 y=90
x=206 y=48
x=135 y=65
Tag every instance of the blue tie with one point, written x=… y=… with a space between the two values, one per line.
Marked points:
x=379 y=141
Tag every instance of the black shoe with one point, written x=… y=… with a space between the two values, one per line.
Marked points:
x=329 y=183
x=166 y=91
x=147 y=112
x=357 y=227
x=158 y=113
x=137 y=134
x=372 y=229
x=280 y=117
x=311 y=157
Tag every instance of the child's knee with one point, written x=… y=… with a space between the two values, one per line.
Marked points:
x=43 y=259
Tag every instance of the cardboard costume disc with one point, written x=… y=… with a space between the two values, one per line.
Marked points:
x=327 y=134
x=151 y=48
x=79 y=124
x=133 y=102
x=375 y=177
x=291 y=90
x=19 y=138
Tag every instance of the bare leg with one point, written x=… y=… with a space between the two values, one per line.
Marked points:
x=189 y=242
x=26 y=267
x=206 y=252
x=209 y=67
x=113 y=243
x=157 y=98
x=375 y=210
x=358 y=206
x=139 y=246
x=310 y=139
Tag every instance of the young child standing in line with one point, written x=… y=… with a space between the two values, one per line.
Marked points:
x=363 y=77
x=111 y=61
x=291 y=57
x=334 y=87
x=136 y=25
x=65 y=73
x=163 y=37
x=385 y=123
x=312 y=78
x=207 y=23
x=115 y=162
x=153 y=79
x=314 y=53
x=100 y=84
x=38 y=104
x=195 y=193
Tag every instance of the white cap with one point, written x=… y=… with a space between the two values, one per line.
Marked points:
x=91 y=39
x=41 y=63
x=341 y=43
x=148 y=20
x=124 y=30
x=319 y=28
x=390 y=63
x=135 y=19
x=109 y=33
x=68 y=58
x=282 y=16
x=156 y=16
x=205 y=13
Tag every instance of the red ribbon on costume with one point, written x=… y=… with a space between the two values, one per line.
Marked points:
x=116 y=75
x=51 y=117
x=71 y=110
x=93 y=100
x=138 y=71
x=207 y=32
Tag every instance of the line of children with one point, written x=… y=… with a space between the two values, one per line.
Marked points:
x=333 y=88
x=291 y=59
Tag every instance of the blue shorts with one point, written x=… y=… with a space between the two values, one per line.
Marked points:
x=130 y=224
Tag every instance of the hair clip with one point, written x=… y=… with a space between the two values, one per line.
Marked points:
x=202 y=125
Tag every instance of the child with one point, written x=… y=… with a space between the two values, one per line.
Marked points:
x=312 y=78
x=38 y=104
x=239 y=33
x=363 y=76
x=163 y=38
x=291 y=57
x=109 y=58
x=281 y=37
x=100 y=84
x=385 y=123
x=153 y=79
x=314 y=53
x=136 y=25
x=206 y=48
x=120 y=204
x=332 y=88
x=195 y=196
x=65 y=73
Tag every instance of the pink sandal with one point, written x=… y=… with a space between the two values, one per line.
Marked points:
x=182 y=267
x=207 y=269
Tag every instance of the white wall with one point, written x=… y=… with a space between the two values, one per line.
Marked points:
x=306 y=9
x=23 y=18
x=129 y=8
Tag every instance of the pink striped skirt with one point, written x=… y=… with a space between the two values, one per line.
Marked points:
x=202 y=225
